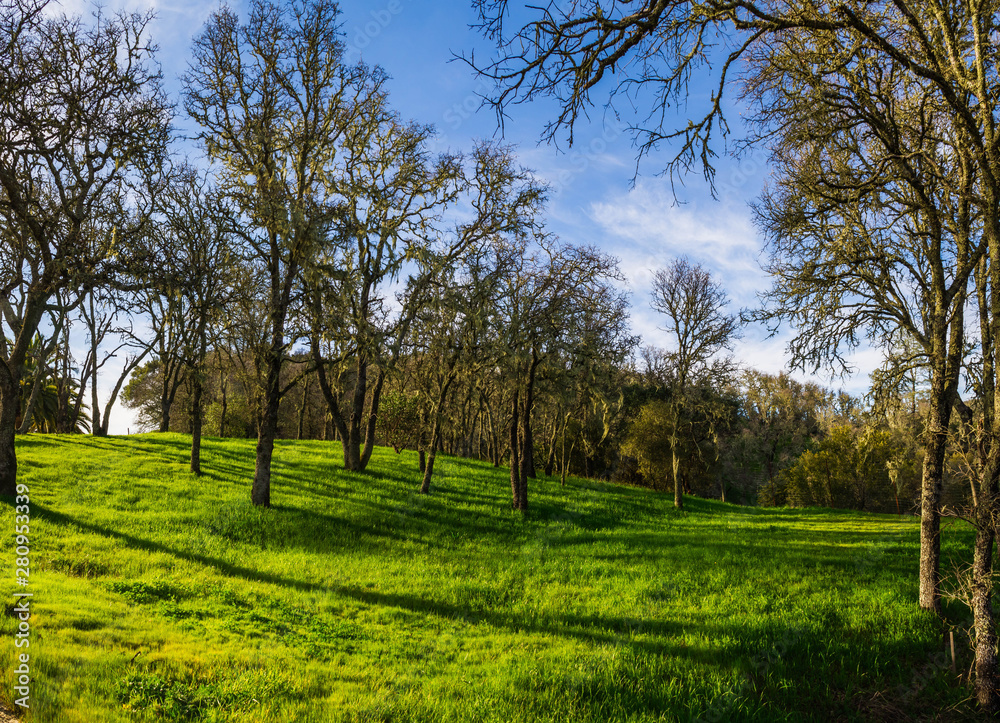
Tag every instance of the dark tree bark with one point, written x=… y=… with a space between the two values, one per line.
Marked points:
x=171 y=383
x=515 y=465
x=527 y=452
x=223 y=385
x=930 y=504
x=29 y=409
x=494 y=437
x=425 y=487
x=10 y=397
x=550 y=460
x=197 y=384
x=564 y=461
x=11 y=371
x=352 y=442
x=96 y=429
x=984 y=621
x=366 y=454
x=260 y=493
x=332 y=403
x=945 y=370
x=302 y=408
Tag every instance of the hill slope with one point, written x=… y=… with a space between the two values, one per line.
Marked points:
x=161 y=596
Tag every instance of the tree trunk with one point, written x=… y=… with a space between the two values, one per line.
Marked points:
x=470 y=440
x=425 y=488
x=985 y=512
x=982 y=609
x=11 y=372
x=63 y=424
x=936 y=440
x=494 y=437
x=171 y=383
x=223 y=383
x=527 y=467
x=10 y=399
x=422 y=460
x=130 y=365
x=332 y=404
x=95 y=410
x=522 y=489
x=515 y=465
x=96 y=428
x=562 y=462
x=352 y=442
x=527 y=440
x=29 y=410
x=196 y=419
x=366 y=455
x=164 y=413
x=528 y=453
x=428 y=468
x=930 y=520
x=260 y=494
x=550 y=459
x=302 y=408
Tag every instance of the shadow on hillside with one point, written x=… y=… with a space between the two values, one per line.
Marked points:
x=593 y=629
x=773 y=658
x=164 y=449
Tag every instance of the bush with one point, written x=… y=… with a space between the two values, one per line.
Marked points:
x=847 y=469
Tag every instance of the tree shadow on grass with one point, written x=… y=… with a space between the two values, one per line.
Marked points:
x=167 y=450
x=798 y=657
x=591 y=629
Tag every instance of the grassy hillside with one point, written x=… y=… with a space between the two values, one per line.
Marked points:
x=161 y=596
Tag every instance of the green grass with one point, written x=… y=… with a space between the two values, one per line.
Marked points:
x=161 y=596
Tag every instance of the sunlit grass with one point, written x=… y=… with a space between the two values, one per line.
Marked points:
x=162 y=596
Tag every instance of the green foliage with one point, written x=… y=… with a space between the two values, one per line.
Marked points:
x=696 y=423
x=45 y=413
x=139 y=592
x=240 y=419
x=648 y=442
x=188 y=698
x=848 y=469
x=398 y=422
x=142 y=393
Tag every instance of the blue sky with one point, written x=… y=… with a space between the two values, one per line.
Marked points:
x=592 y=202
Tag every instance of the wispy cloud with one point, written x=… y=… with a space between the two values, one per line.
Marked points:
x=646 y=230
x=653 y=230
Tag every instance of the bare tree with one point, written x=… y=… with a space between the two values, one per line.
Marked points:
x=107 y=318
x=693 y=304
x=273 y=98
x=199 y=265
x=80 y=110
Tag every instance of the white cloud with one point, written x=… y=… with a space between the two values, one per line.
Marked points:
x=651 y=230
x=646 y=230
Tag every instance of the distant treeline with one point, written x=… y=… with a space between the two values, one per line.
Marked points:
x=761 y=439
